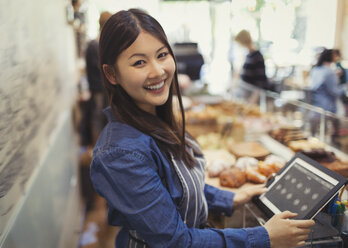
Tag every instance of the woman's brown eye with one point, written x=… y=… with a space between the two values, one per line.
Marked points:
x=140 y=62
x=161 y=55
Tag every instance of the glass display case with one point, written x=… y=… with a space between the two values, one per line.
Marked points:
x=257 y=115
x=291 y=108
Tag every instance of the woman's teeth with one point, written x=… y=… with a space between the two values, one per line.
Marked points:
x=155 y=87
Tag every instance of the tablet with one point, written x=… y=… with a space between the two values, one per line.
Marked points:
x=302 y=186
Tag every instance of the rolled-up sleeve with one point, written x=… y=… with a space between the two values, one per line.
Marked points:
x=130 y=183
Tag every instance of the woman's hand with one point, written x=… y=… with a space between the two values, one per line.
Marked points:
x=244 y=195
x=284 y=232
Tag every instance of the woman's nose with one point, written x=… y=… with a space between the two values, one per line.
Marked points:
x=156 y=69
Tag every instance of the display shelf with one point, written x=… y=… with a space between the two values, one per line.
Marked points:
x=294 y=113
x=314 y=121
x=280 y=149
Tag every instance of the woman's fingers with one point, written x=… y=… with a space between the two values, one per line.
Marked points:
x=260 y=190
x=304 y=223
x=302 y=237
x=256 y=189
x=287 y=214
x=301 y=243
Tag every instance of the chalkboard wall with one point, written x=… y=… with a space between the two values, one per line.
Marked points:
x=37 y=85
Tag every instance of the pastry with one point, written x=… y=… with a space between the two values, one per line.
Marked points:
x=245 y=162
x=201 y=114
x=302 y=145
x=249 y=149
x=338 y=167
x=209 y=141
x=286 y=134
x=233 y=178
x=265 y=169
x=215 y=167
x=321 y=155
x=254 y=176
x=218 y=160
x=275 y=162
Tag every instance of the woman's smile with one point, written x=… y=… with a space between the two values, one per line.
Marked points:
x=156 y=87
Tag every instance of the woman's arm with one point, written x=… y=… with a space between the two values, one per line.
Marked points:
x=130 y=183
x=332 y=86
x=282 y=230
x=219 y=201
x=222 y=201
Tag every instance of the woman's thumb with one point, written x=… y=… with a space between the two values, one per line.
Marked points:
x=287 y=214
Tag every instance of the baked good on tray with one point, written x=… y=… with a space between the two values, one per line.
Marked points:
x=233 y=178
x=201 y=115
x=286 y=134
x=307 y=144
x=249 y=149
x=337 y=166
x=254 y=175
x=274 y=161
x=244 y=162
x=321 y=155
x=252 y=170
x=218 y=161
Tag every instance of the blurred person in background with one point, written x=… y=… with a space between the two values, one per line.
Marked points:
x=341 y=72
x=79 y=25
x=325 y=88
x=254 y=70
x=150 y=171
x=98 y=98
x=92 y=117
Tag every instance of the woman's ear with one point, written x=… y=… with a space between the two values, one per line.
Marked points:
x=110 y=73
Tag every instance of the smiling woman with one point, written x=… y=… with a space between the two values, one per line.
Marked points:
x=150 y=171
x=145 y=71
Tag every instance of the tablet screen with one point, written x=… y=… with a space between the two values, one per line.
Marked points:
x=299 y=189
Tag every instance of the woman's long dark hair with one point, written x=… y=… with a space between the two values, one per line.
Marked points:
x=325 y=56
x=118 y=33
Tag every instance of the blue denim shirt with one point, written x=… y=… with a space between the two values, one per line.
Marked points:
x=143 y=193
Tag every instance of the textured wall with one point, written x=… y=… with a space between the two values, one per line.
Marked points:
x=37 y=84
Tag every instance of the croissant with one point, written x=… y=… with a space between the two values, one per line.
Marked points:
x=254 y=176
x=266 y=169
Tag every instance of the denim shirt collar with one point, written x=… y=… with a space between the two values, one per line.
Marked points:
x=109 y=114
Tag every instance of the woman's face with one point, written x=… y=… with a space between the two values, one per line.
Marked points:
x=145 y=71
